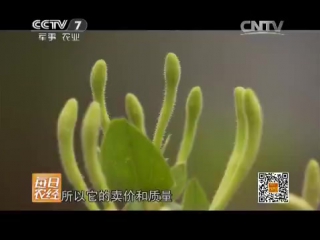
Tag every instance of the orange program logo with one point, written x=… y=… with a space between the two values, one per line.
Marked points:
x=46 y=187
x=273 y=187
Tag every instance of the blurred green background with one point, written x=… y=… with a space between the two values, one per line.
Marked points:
x=37 y=78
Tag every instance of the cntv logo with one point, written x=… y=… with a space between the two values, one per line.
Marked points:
x=261 y=27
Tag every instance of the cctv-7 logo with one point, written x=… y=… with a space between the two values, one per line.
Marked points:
x=78 y=24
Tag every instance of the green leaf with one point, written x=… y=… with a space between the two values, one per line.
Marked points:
x=194 y=197
x=179 y=174
x=131 y=162
x=134 y=206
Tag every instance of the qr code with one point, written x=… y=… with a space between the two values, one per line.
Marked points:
x=273 y=187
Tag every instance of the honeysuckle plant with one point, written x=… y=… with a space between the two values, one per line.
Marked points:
x=127 y=158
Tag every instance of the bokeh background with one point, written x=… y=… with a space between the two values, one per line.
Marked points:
x=37 y=78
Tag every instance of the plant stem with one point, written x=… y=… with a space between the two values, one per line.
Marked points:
x=165 y=145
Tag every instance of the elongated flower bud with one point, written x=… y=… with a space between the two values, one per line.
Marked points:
x=98 y=81
x=172 y=78
x=241 y=135
x=66 y=125
x=89 y=139
x=135 y=112
x=193 y=112
x=245 y=158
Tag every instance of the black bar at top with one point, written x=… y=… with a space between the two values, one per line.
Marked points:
x=141 y=23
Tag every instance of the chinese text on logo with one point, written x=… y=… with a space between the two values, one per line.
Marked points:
x=46 y=187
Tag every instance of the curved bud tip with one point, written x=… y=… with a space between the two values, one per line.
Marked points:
x=68 y=115
x=311 y=186
x=132 y=104
x=134 y=112
x=313 y=164
x=252 y=105
x=313 y=171
x=92 y=116
x=98 y=77
x=239 y=91
x=239 y=98
x=172 y=70
x=194 y=102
